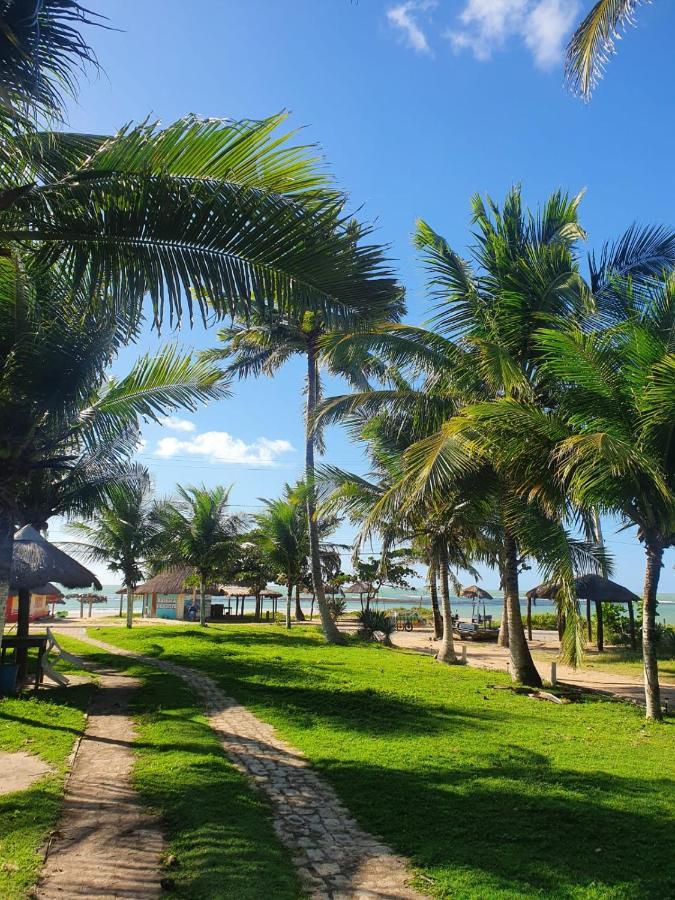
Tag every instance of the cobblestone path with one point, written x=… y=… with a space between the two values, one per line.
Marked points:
x=336 y=858
x=106 y=844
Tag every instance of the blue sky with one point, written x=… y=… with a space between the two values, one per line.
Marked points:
x=417 y=105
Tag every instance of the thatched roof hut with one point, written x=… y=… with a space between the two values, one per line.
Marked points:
x=588 y=587
x=35 y=561
x=170 y=581
x=592 y=589
x=473 y=592
x=49 y=590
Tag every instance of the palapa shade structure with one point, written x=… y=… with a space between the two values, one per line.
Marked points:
x=473 y=592
x=34 y=562
x=592 y=589
x=239 y=592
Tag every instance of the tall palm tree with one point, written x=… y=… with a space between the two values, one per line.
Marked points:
x=264 y=345
x=614 y=446
x=197 y=529
x=593 y=42
x=121 y=536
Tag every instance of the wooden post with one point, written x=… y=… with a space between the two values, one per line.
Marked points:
x=22 y=629
x=554 y=673
x=91 y=603
x=529 y=618
x=599 y=629
x=464 y=654
x=82 y=608
x=631 y=625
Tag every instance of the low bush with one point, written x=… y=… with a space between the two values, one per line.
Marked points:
x=373 y=622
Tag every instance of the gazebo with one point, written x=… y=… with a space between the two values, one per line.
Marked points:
x=34 y=562
x=167 y=591
x=592 y=589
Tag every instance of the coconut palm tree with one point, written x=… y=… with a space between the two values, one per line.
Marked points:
x=593 y=42
x=121 y=536
x=197 y=529
x=614 y=446
x=264 y=345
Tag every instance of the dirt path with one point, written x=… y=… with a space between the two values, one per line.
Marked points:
x=336 y=859
x=106 y=844
x=544 y=647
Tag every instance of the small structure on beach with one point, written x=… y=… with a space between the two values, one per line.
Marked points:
x=170 y=593
x=473 y=592
x=240 y=593
x=593 y=589
x=41 y=598
x=362 y=588
x=36 y=562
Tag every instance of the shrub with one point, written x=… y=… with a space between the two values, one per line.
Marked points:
x=336 y=607
x=373 y=622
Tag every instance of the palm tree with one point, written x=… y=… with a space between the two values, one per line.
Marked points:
x=281 y=535
x=524 y=273
x=614 y=446
x=66 y=429
x=593 y=42
x=196 y=529
x=121 y=536
x=263 y=346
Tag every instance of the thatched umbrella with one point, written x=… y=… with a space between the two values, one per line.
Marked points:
x=592 y=589
x=360 y=588
x=473 y=592
x=34 y=562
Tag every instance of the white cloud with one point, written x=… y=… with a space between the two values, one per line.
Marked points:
x=542 y=25
x=404 y=17
x=177 y=424
x=221 y=447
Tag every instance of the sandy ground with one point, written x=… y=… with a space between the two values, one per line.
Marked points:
x=544 y=647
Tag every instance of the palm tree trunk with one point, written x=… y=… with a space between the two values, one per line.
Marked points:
x=529 y=619
x=130 y=606
x=330 y=629
x=433 y=589
x=299 y=614
x=523 y=669
x=6 y=549
x=503 y=637
x=121 y=604
x=446 y=652
x=289 y=600
x=631 y=626
x=654 y=551
x=202 y=601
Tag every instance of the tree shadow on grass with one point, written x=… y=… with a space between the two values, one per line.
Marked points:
x=519 y=829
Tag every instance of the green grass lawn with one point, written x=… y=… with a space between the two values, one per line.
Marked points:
x=219 y=830
x=489 y=793
x=46 y=725
x=623 y=661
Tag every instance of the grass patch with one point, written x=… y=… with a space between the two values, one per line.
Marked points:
x=47 y=725
x=218 y=829
x=489 y=793
x=624 y=661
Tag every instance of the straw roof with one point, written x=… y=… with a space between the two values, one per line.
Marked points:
x=168 y=581
x=48 y=590
x=357 y=587
x=475 y=592
x=36 y=561
x=243 y=590
x=588 y=587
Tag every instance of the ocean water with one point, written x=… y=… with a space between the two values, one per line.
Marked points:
x=391 y=598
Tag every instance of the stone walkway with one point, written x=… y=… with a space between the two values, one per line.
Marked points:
x=106 y=844
x=336 y=859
